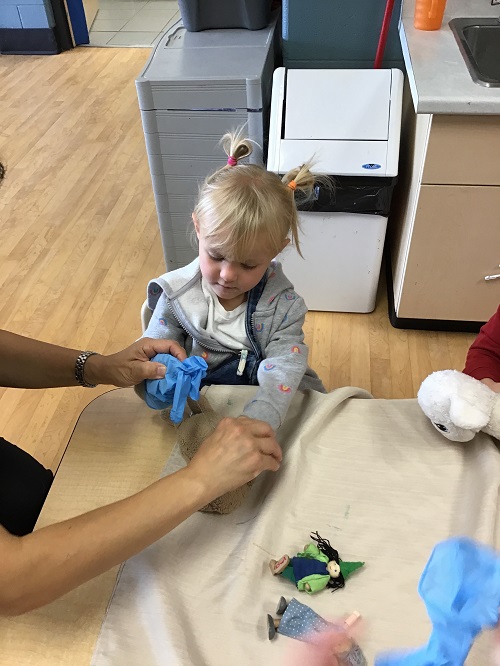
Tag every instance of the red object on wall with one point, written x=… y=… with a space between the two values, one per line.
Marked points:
x=384 y=31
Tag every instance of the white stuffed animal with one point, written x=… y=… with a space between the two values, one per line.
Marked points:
x=459 y=406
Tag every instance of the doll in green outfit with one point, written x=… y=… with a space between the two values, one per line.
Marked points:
x=316 y=567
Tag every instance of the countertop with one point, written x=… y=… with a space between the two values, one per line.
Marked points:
x=439 y=79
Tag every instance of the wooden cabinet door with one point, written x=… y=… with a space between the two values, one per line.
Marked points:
x=454 y=245
x=463 y=150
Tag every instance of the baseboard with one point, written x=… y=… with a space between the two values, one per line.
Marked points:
x=423 y=324
x=28 y=41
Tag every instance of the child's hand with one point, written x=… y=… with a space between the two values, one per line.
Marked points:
x=322 y=650
x=331 y=646
x=494 y=386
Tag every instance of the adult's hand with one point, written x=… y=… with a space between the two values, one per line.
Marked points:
x=237 y=452
x=132 y=365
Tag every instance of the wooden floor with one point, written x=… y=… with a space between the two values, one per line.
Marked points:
x=79 y=240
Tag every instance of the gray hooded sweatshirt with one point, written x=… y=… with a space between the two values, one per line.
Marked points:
x=180 y=313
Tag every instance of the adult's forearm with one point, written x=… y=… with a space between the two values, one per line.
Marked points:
x=494 y=386
x=27 y=363
x=53 y=560
x=483 y=357
x=39 y=567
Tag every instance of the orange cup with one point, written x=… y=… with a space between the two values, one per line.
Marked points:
x=429 y=14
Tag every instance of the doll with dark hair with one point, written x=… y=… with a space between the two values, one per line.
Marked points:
x=316 y=567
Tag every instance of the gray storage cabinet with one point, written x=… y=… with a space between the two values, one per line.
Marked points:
x=193 y=89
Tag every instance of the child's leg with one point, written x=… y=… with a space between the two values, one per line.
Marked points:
x=24 y=484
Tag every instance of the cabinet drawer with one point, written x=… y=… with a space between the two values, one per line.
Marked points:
x=454 y=245
x=192 y=124
x=463 y=150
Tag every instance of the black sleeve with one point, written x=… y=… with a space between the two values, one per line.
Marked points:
x=24 y=484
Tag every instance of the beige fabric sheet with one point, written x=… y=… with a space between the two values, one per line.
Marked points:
x=373 y=476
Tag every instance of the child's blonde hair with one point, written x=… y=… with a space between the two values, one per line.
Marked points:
x=240 y=202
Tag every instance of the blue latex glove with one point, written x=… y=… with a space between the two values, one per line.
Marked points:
x=182 y=380
x=460 y=586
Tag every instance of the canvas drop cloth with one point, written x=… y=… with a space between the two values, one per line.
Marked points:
x=373 y=476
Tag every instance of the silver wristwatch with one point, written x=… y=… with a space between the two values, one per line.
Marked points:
x=80 y=368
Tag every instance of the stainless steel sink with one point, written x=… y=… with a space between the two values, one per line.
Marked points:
x=479 y=43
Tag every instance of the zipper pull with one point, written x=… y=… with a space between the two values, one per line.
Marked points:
x=243 y=362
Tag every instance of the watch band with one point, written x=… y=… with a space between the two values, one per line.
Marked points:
x=80 y=368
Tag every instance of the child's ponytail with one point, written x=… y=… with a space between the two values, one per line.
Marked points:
x=300 y=180
x=236 y=146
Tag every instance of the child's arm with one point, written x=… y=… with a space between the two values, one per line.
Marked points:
x=163 y=324
x=282 y=369
x=483 y=357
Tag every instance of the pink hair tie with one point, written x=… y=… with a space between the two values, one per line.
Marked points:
x=232 y=161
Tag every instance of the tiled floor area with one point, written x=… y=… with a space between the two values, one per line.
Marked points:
x=132 y=22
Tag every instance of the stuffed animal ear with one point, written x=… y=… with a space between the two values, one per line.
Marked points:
x=465 y=415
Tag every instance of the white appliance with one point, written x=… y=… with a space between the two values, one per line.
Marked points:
x=348 y=122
